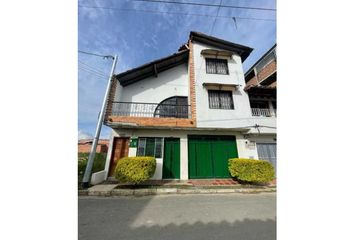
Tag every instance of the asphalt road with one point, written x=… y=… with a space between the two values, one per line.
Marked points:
x=182 y=217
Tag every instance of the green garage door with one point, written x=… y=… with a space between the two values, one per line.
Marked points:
x=208 y=156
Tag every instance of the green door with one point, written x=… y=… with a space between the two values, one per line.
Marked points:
x=171 y=159
x=208 y=156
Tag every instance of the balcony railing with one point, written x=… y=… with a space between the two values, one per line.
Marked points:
x=263 y=112
x=139 y=109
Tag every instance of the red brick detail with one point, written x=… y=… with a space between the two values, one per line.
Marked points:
x=192 y=82
x=111 y=94
x=267 y=71
x=156 y=122
x=263 y=74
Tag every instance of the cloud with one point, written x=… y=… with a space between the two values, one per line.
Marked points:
x=84 y=135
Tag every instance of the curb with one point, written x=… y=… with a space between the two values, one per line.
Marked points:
x=170 y=191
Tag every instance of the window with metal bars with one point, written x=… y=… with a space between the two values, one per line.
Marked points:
x=220 y=99
x=150 y=146
x=216 y=66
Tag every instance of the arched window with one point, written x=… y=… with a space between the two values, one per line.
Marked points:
x=176 y=107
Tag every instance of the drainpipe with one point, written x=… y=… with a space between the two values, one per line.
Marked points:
x=86 y=179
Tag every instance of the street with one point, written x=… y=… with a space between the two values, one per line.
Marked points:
x=216 y=216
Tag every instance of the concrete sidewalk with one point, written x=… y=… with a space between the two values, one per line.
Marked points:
x=119 y=190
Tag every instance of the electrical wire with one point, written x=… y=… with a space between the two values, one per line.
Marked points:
x=93 y=68
x=207 y=5
x=91 y=72
x=173 y=13
x=95 y=54
x=217 y=14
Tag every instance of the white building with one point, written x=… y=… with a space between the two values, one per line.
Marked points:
x=191 y=111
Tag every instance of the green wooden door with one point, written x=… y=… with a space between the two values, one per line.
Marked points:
x=171 y=159
x=208 y=156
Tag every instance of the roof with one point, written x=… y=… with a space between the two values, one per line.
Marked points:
x=260 y=59
x=241 y=50
x=261 y=90
x=152 y=68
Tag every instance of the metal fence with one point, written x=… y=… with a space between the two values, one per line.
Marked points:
x=263 y=112
x=138 y=109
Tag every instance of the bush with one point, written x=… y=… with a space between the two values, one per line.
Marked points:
x=250 y=170
x=135 y=169
x=98 y=163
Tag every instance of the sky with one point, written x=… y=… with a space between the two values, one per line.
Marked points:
x=138 y=34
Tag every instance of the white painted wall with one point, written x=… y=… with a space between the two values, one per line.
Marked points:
x=243 y=149
x=172 y=82
x=241 y=115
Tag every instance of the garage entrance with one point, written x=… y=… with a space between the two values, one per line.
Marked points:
x=208 y=155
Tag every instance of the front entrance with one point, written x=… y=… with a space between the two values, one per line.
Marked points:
x=171 y=159
x=120 y=149
x=208 y=156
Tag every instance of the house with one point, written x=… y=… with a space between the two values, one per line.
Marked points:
x=84 y=145
x=192 y=110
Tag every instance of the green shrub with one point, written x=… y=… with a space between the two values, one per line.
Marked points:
x=135 y=169
x=98 y=163
x=251 y=170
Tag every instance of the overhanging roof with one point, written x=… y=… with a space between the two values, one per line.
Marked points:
x=241 y=50
x=261 y=90
x=152 y=68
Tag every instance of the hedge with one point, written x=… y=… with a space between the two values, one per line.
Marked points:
x=135 y=169
x=98 y=163
x=251 y=170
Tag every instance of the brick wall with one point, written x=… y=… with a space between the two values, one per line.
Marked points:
x=262 y=74
x=111 y=95
x=84 y=146
x=148 y=121
x=192 y=82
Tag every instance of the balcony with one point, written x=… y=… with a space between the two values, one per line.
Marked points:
x=263 y=112
x=150 y=114
x=156 y=110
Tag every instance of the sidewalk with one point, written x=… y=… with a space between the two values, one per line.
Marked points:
x=213 y=186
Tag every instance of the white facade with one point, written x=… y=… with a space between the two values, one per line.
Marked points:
x=238 y=117
x=175 y=82
x=241 y=143
x=172 y=82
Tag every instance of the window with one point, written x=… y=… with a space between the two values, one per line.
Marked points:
x=216 y=66
x=220 y=99
x=150 y=147
x=176 y=107
x=267 y=151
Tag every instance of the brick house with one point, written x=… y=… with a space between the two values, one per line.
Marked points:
x=192 y=110
x=84 y=145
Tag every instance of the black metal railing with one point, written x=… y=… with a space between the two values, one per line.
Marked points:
x=139 y=109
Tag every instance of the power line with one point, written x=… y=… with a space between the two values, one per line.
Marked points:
x=207 y=5
x=217 y=14
x=93 y=68
x=92 y=72
x=173 y=13
x=95 y=54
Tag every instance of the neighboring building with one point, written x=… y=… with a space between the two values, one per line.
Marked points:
x=84 y=145
x=190 y=110
x=261 y=86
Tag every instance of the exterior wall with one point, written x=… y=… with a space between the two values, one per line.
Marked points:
x=241 y=142
x=172 y=82
x=220 y=118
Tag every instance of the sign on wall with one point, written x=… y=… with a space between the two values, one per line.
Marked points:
x=133 y=142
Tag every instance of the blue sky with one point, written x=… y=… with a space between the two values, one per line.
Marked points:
x=138 y=37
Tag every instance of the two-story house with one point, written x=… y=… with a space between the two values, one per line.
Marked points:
x=190 y=110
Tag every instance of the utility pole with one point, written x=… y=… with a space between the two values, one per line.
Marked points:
x=86 y=179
